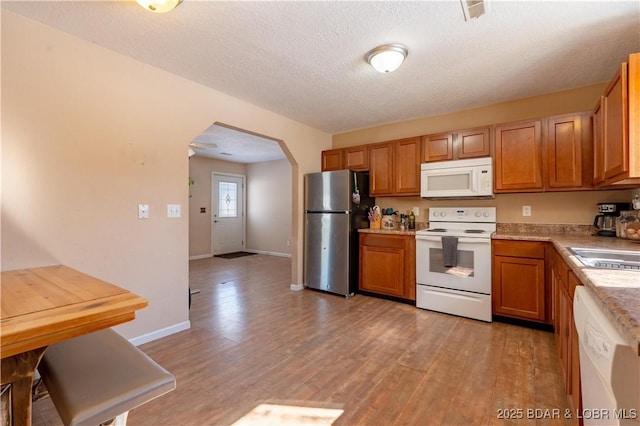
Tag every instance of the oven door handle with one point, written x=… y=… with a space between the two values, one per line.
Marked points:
x=460 y=240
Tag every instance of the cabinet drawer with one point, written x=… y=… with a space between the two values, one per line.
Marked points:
x=383 y=240
x=531 y=249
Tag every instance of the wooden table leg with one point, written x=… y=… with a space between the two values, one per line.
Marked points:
x=18 y=372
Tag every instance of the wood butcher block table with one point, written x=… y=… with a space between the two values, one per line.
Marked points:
x=42 y=306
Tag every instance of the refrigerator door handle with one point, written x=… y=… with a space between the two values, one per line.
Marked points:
x=328 y=211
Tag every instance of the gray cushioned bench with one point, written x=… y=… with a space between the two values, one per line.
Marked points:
x=100 y=376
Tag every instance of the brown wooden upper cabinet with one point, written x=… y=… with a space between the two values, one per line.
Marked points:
x=617 y=128
x=381 y=169
x=352 y=158
x=469 y=143
x=332 y=160
x=550 y=154
x=518 y=159
x=394 y=167
x=473 y=143
x=598 y=143
x=568 y=152
x=437 y=147
x=407 y=166
x=356 y=158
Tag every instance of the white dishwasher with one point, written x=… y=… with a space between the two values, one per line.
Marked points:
x=609 y=367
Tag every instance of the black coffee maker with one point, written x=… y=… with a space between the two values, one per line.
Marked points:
x=605 y=222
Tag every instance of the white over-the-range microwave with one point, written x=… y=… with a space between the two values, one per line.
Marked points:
x=457 y=178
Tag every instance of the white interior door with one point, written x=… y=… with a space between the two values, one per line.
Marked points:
x=227 y=208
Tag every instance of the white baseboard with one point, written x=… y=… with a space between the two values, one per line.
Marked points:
x=296 y=287
x=158 y=334
x=200 y=256
x=268 y=253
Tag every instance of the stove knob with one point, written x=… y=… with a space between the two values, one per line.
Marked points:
x=443 y=214
x=436 y=214
x=485 y=214
x=478 y=214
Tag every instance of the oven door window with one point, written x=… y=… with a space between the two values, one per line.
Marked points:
x=446 y=183
x=473 y=270
x=464 y=267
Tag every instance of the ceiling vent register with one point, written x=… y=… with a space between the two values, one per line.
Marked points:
x=473 y=8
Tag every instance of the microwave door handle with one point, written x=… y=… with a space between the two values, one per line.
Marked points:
x=473 y=174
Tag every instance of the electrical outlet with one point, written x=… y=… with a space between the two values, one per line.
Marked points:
x=288 y=243
x=526 y=210
x=416 y=211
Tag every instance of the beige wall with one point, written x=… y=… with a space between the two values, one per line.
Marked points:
x=200 y=169
x=269 y=207
x=583 y=99
x=87 y=134
x=550 y=207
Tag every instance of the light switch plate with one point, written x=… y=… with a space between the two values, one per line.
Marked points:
x=173 y=210
x=143 y=211
x=416 y=211
x=526 y=210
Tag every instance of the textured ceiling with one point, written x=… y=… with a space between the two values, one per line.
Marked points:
x=233 y=145
x=305 y=60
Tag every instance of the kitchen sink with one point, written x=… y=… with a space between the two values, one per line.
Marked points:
x=607 y=259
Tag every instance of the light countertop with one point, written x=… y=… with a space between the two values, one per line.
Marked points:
x=396 y=230
x=386 y=231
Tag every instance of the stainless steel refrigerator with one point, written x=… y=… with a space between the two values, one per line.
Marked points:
x=336 y=206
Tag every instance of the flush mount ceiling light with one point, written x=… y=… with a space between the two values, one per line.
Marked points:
x=159 y=6
x=387 y=58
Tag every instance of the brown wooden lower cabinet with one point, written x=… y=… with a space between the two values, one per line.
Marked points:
x=520 y=271
x=388 y=265
x=518 y=280
x=564 y=283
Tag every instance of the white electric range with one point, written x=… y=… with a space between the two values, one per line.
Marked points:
x=464 y=287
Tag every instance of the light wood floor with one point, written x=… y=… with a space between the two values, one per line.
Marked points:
x=385 y=363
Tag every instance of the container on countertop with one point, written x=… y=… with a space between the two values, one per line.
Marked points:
x=628 y=225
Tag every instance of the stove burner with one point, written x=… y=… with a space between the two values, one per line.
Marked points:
x=474 y=231
x=436 y=230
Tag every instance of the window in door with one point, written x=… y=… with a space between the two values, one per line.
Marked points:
x=227 y=199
